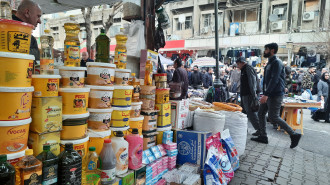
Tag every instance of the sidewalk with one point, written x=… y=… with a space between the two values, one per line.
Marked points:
x=276 y=163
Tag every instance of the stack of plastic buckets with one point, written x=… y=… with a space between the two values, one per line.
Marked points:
x=15 y=88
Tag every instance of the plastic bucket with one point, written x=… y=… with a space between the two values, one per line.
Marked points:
x=136 y=109
x=45 y=85
x=122 y=96
x=75 y=100
x=72 y=76
x=14 y=136
x=99 y=119
x=149 y=140
x=122 y=76
x=162 y=95
x=159 y=137
x=161 y=77
x=80 y=145
x=15 y=36
x=100 y=73
x=149 y=122
x=100 y=97
x=74 y=127
x=120 y=117
x=145 y=89
x=15 y=157
x=147 y=104
x=96 y=139
x=161 y=85
x=16 y=69
x=15 y=103
x=37 y=141
x=137 y=123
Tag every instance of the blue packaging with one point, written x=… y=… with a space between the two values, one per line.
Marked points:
x=167 y=136
x=145 y=159
x=155 y=150
x=149 y=155
x=172 y=153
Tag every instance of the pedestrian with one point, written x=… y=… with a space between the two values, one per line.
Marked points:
x=180 y=76
x=208 y=78
x=300 y=78
x=323 y=87
x=188 y=69
x=316 y=78
x=234 y=79
x=307 y=82
x=271 y=101
x=223 y=77
x=169 y=73
x=196 y=78
x=248 y=92
x=84 y=59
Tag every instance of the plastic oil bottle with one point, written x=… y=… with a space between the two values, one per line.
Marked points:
x=148 y=73
x=92 y=173
x=47 y=55
x=120 y=50
x=49 y=166
x=135 y=149
x=69 y=166
x=72 y=43
x=120 y=147
x=7 y=171
x=5 y=10
x=28 y=170
x=136 y=91
x=102 y=47
x=107 y=163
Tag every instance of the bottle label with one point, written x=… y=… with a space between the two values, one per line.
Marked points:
x=122 y=159
x=92 y=179
x=33 y=178
x=46 y=64
x=122 y=57
x=92 y=165
x=49 y=175
x=108 y=175
x=72 y=52
x=72 y=174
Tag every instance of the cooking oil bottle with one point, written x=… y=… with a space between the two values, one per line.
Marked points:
x=136 y=91
x=72 y=43
x=7 y=171
x=28 y=170
x=5 y=10
x=120 y=50
x=47 y=55
x=49 y=166
x=148 y=73
x=102 y=47
x=92 y=173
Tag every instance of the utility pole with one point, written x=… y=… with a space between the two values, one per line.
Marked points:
x=217 y=81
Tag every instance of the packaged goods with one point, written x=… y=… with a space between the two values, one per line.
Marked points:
x=122 y=76
x=75 y=100
x=37 y=141
x=5 y=10
x=74 y=126
x=161 y=149
x=16 y=69
x=46 y=53
x=229 y=146
x=136 y=123
x=162 y=96
x=148 y=90
x=170 y=146
x=164 y=109
x=149 y=155
x=107 y=163
x=120 y=148
x=160 y=134
x=15 y=103
x=179 y=113
x=127 y=178
x=92 y=173
x=150 y=121
x=49 y=165
x=120 y=50
x=45 y=85
x=15 y=157
x=120 y=117
x=96 y=139
x=7 y=171
x=149 y=140
x=100 y=97
x=148 y=73
x=140 y=176
x=172 y=153
x=155 y=150
x=136 y=91
x=46 y=114
x=99 y=119
x=72 y=77
x=102 y=47
x=135 y=149
x=160 y=77
x=145 y=159
x=15 y=136
x=69 y=165
x=136 y=109
x=167 y=137
x=100 y=73
x=122 y=96
x=12 y=42
x=72 y=43
x=28 y=168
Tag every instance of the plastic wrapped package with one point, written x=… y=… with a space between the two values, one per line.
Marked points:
x=210 y=121
x=228 y=145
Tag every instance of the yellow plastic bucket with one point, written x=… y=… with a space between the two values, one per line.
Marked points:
x=137 y=123
x=15 y=36
x=74 y=127
x=162 y=95
x=136 y=109
x=80 y=145
x=96 y=139
x=122 y=76
x=122 y=96
x=16 y=69
x=100 y=73
x=120 y=117
x=159 y=137
x=72 y=76
x=75 y=100
x=100 y=97
x=14 y=136
x=99 y=119
x=37 y=141
x=15 y=103
x=45 y=85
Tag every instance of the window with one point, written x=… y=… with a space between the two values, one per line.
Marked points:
x=188 y=23
x=178 y=24
x=117 y=20
x=247 y=15
x=311 y=5
x=207 y=20
x=54 y=28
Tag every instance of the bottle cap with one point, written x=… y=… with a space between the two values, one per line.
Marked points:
x=28 y=152
x=135 y=131
x=92 y=148
x=47 y=31
x=46 y=147
x=102 y=30
x=107 y=141
x=119 y=134
x=3 y=158
x=69 y=146
x=133 y=74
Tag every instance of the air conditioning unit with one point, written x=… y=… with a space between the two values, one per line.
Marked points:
x=278 y=11
x=205 y=30
x=276 y=25
x=308 y=16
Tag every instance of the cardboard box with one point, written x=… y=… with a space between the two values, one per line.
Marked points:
x=140 y=176
x=191 y=147
x=127 y=178
x=37 y=141
x=148 y=55
x=179 y=113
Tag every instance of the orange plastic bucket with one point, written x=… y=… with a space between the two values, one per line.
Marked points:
x=80 y=145
x=14 y=136
x=122 y=96
x=45 y=85
x=15 y=36
x=15 y=103
x=75 y=100
x=16 y=69
x=74 y=126
x=72 y=76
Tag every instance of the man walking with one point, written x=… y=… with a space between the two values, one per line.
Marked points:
x=273 y=90
x=208 y=78
x=180 y=76
x=196 y=78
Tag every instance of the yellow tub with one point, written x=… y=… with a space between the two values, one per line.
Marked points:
x=122 y=76
x=99 y=73
x=15 y=103
x=15 y=36
x=37 y=141
x=75 y=100
x=100 y=97
x=120 y=117
x=14 y=136
x=74 y=127
x=137 y=123
x=45 y=85
x=80 y=145
x=159 y=137
x=72 y=77
x=162 y=95
x=96 y=139
x=123 y=129
x=122 y=96
x=99 y=119
x=16 y=69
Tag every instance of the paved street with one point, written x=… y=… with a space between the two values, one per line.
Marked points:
x=276 y=163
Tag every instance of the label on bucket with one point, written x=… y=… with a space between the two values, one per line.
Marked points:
x=18 y=41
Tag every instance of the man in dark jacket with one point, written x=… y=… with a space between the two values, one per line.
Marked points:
x=180 y=75
x=208 y=78
x=196 y=78
x=169 y=73
x=188 y=69
x=271 y=101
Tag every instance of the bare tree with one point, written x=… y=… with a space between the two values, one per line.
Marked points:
x=113 y=11
x=87 y=17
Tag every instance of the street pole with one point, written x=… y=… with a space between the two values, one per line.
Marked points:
x=217 y=82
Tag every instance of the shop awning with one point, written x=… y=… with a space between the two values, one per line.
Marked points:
x=173 y=45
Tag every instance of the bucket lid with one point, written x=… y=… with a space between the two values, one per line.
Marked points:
x=75 y=142
x=15 y=123
x=15 y=155
x=136 y=103
x=109 y=88
x=16 y=55
x=102 y=134
x=127 y=87
x=161 y=129
x=75 y=116
x=100 y=64
x=18 y=23
x=100 y=110
x=123 y=70
x=122 y=108
x=72 y=68
x=114 y=129
x=46 y=76
x=74 y=90
x=16 y=89
x=140 y=118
